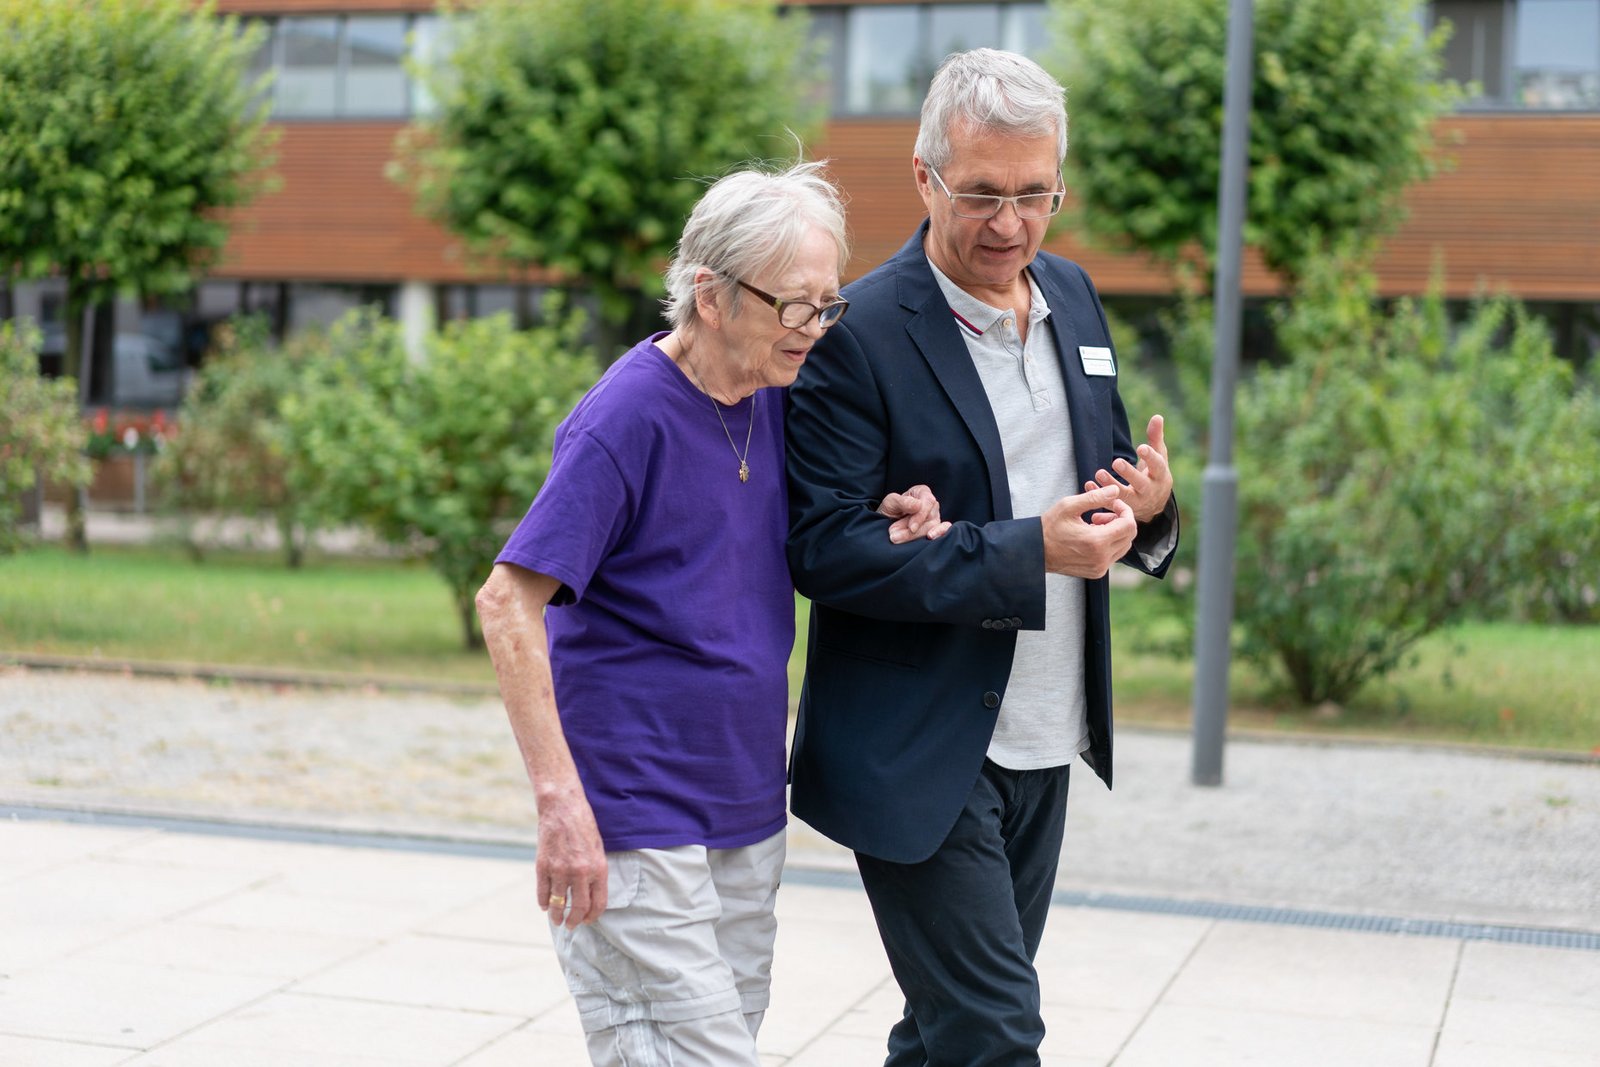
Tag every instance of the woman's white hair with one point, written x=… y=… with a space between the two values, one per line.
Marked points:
x=751 y=222
x=991 y=90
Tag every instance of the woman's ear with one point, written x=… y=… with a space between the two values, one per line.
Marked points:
x=705 y=298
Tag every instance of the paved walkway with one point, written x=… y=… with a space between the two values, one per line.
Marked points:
x=1330 y=905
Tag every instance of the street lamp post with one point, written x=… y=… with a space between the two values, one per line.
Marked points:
x=1220 y=491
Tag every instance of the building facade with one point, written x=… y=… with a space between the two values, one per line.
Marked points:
x=1519 y=210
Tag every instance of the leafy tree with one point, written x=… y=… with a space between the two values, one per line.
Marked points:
x=126 y=130
x=40 y=431
x=1345 y=96
x=439 y=455
x=1400 y=472
x=577 y=137
x=235 y=453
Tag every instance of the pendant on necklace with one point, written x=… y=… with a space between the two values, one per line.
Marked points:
x=744 y=471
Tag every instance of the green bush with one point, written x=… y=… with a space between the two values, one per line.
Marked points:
x=1397 y=474
x=40 y=431
x=1345 y=96
x=234 y=450
x=440 y=454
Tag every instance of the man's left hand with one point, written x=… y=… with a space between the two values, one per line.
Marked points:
x=1147 y=487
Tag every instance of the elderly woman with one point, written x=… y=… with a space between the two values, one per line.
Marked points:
x=650 y=702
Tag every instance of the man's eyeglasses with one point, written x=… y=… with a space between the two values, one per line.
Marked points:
x=793 y=314
x=983 y=206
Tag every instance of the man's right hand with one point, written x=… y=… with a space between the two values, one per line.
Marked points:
x=1086 y=548
x=571 y=863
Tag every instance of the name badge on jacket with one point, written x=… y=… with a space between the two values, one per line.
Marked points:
x=1097 y=362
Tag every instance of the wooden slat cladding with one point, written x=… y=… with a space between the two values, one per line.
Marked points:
x=337 y=217
x=1519 y=210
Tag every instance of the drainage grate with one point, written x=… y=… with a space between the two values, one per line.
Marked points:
x=1376 y=924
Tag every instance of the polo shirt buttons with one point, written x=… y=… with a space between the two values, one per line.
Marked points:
x=991 y=700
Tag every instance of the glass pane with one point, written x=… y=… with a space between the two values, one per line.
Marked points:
x=1026 y=29
x=308 y=81
x=430 y=45
x=1476 y=49
x=261 y=60
x=827 y=35
x=883 y=75
x=375 y=82
x=958 y=27
x=1558 y=53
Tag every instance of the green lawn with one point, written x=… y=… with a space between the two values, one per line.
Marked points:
x=355 y=616
x=1483 y=683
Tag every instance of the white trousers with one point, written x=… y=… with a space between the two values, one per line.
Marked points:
x=677 y=969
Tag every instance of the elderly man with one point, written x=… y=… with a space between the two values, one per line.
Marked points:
x=650 y=702
x=950 y=684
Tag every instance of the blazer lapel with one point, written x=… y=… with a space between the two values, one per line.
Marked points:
x=933 y=329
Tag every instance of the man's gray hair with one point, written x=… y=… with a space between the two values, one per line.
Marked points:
x=994 y=91
x=750 y=223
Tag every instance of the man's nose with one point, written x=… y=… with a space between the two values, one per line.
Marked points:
x=1006 y=220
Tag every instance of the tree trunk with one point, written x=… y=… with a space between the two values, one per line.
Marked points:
x=467 y=608
x=72 y=368
x=294 y=548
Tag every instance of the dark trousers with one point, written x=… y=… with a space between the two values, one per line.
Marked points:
x=962 y=927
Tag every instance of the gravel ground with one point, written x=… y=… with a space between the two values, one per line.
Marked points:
x=1393 y=830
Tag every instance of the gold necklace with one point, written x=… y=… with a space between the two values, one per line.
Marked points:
x=744 y=467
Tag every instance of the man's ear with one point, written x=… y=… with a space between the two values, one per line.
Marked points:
x=924 y=179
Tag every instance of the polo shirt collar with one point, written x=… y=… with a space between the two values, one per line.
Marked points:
x=973 y=316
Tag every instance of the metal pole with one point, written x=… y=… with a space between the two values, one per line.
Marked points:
x=1220 y=495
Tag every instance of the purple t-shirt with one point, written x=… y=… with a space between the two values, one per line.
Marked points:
x=670 y=640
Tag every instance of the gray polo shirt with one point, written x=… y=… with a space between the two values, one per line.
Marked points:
x=1042 y=719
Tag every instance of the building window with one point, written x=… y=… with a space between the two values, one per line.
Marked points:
x=308 y=68
x=375 y=79
x=348 y=66
x=1558 y=54
x=882 y=56
x=1536 y=54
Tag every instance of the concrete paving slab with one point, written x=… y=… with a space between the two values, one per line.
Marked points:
x=298 y=1028
x=1371 y=977
x=1524 y=1032
x=1209 y=1036
x=437 y=972
x=525 y=1046
x=1522 y=974
x=1112 y=960
x=38 y=1052
x=508 y=914
x=184 y=944
x=350 y=956
x=115 y=1004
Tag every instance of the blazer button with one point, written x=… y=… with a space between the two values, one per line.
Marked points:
x=1015 y=622
x=991 y=700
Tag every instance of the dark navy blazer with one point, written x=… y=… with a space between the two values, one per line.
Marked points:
x=910 y=646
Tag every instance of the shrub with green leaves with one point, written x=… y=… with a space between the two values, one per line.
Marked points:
x=1398 y=473
x=1344 y=100
x=577 y=137
x=234 y=450
x=442 y=454
x=40 y=431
